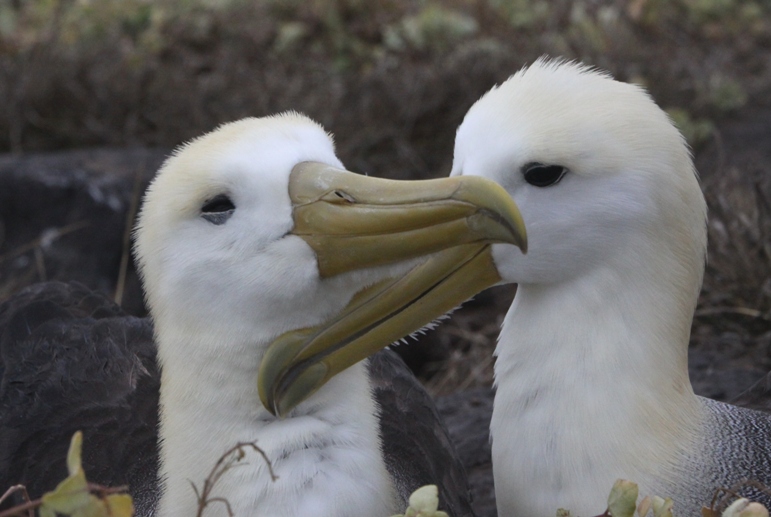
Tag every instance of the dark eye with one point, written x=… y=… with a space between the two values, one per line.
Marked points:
x=540 y=175
x=218 y=209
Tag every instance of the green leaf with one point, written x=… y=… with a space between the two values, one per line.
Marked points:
x=736 y=507
x=44 y=511
x=73 y=454
x=72 y=496
x=622 y=500
x=754 y=509
x=425 y=499
x=662 y=507
x=424 y=503
x=120 y=505
x=644 y=506
x=744 y=508
x=95 y=508
x=69 y=495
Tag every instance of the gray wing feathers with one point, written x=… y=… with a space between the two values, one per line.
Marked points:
x=737 y=447
x=71 y=360
x=416 y=446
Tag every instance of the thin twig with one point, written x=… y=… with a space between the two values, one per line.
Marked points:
x=225 y=463
x=743 y=311
x=734 y=491
x=31 y=245
x=11 y=491
x=24 y=493
x=716 y=496
x=253 y=445
x=40 y=263
x=223 y=501
x=126 y=250
x=20 y=509
x=102 y=490
x=195 y=489
x=477 y=372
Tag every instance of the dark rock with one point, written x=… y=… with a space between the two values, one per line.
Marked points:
x=63 y=216
x=467 y=415
x=713 y=378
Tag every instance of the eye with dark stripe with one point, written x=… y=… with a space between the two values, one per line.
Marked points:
x=218 y=209
x=540 y=175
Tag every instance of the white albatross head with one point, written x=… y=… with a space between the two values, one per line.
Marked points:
x=592 y=163
x=213 y=237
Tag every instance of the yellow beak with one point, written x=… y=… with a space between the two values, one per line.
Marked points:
x=352 y=222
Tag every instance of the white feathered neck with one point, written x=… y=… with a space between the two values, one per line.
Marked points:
x=592 y=386
x=326 y=454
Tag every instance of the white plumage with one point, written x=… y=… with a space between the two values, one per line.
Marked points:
x=252 y=283
x=591 y=372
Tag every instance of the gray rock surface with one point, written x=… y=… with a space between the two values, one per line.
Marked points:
x=63 y=216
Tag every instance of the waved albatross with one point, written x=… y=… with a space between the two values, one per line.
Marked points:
x=268 y=271
x=591 y=370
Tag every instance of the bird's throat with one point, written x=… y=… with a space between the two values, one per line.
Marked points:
x=329 y=445
x=592 y=385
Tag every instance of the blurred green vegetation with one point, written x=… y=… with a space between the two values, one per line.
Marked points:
x=155 y=72
x=366 y=25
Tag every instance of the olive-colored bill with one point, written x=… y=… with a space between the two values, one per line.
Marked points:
x=299 y=362
x=353 y=222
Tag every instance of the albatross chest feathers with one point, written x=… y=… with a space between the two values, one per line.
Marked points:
x=327 y=456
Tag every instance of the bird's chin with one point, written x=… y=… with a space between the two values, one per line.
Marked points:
x=510 y=263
